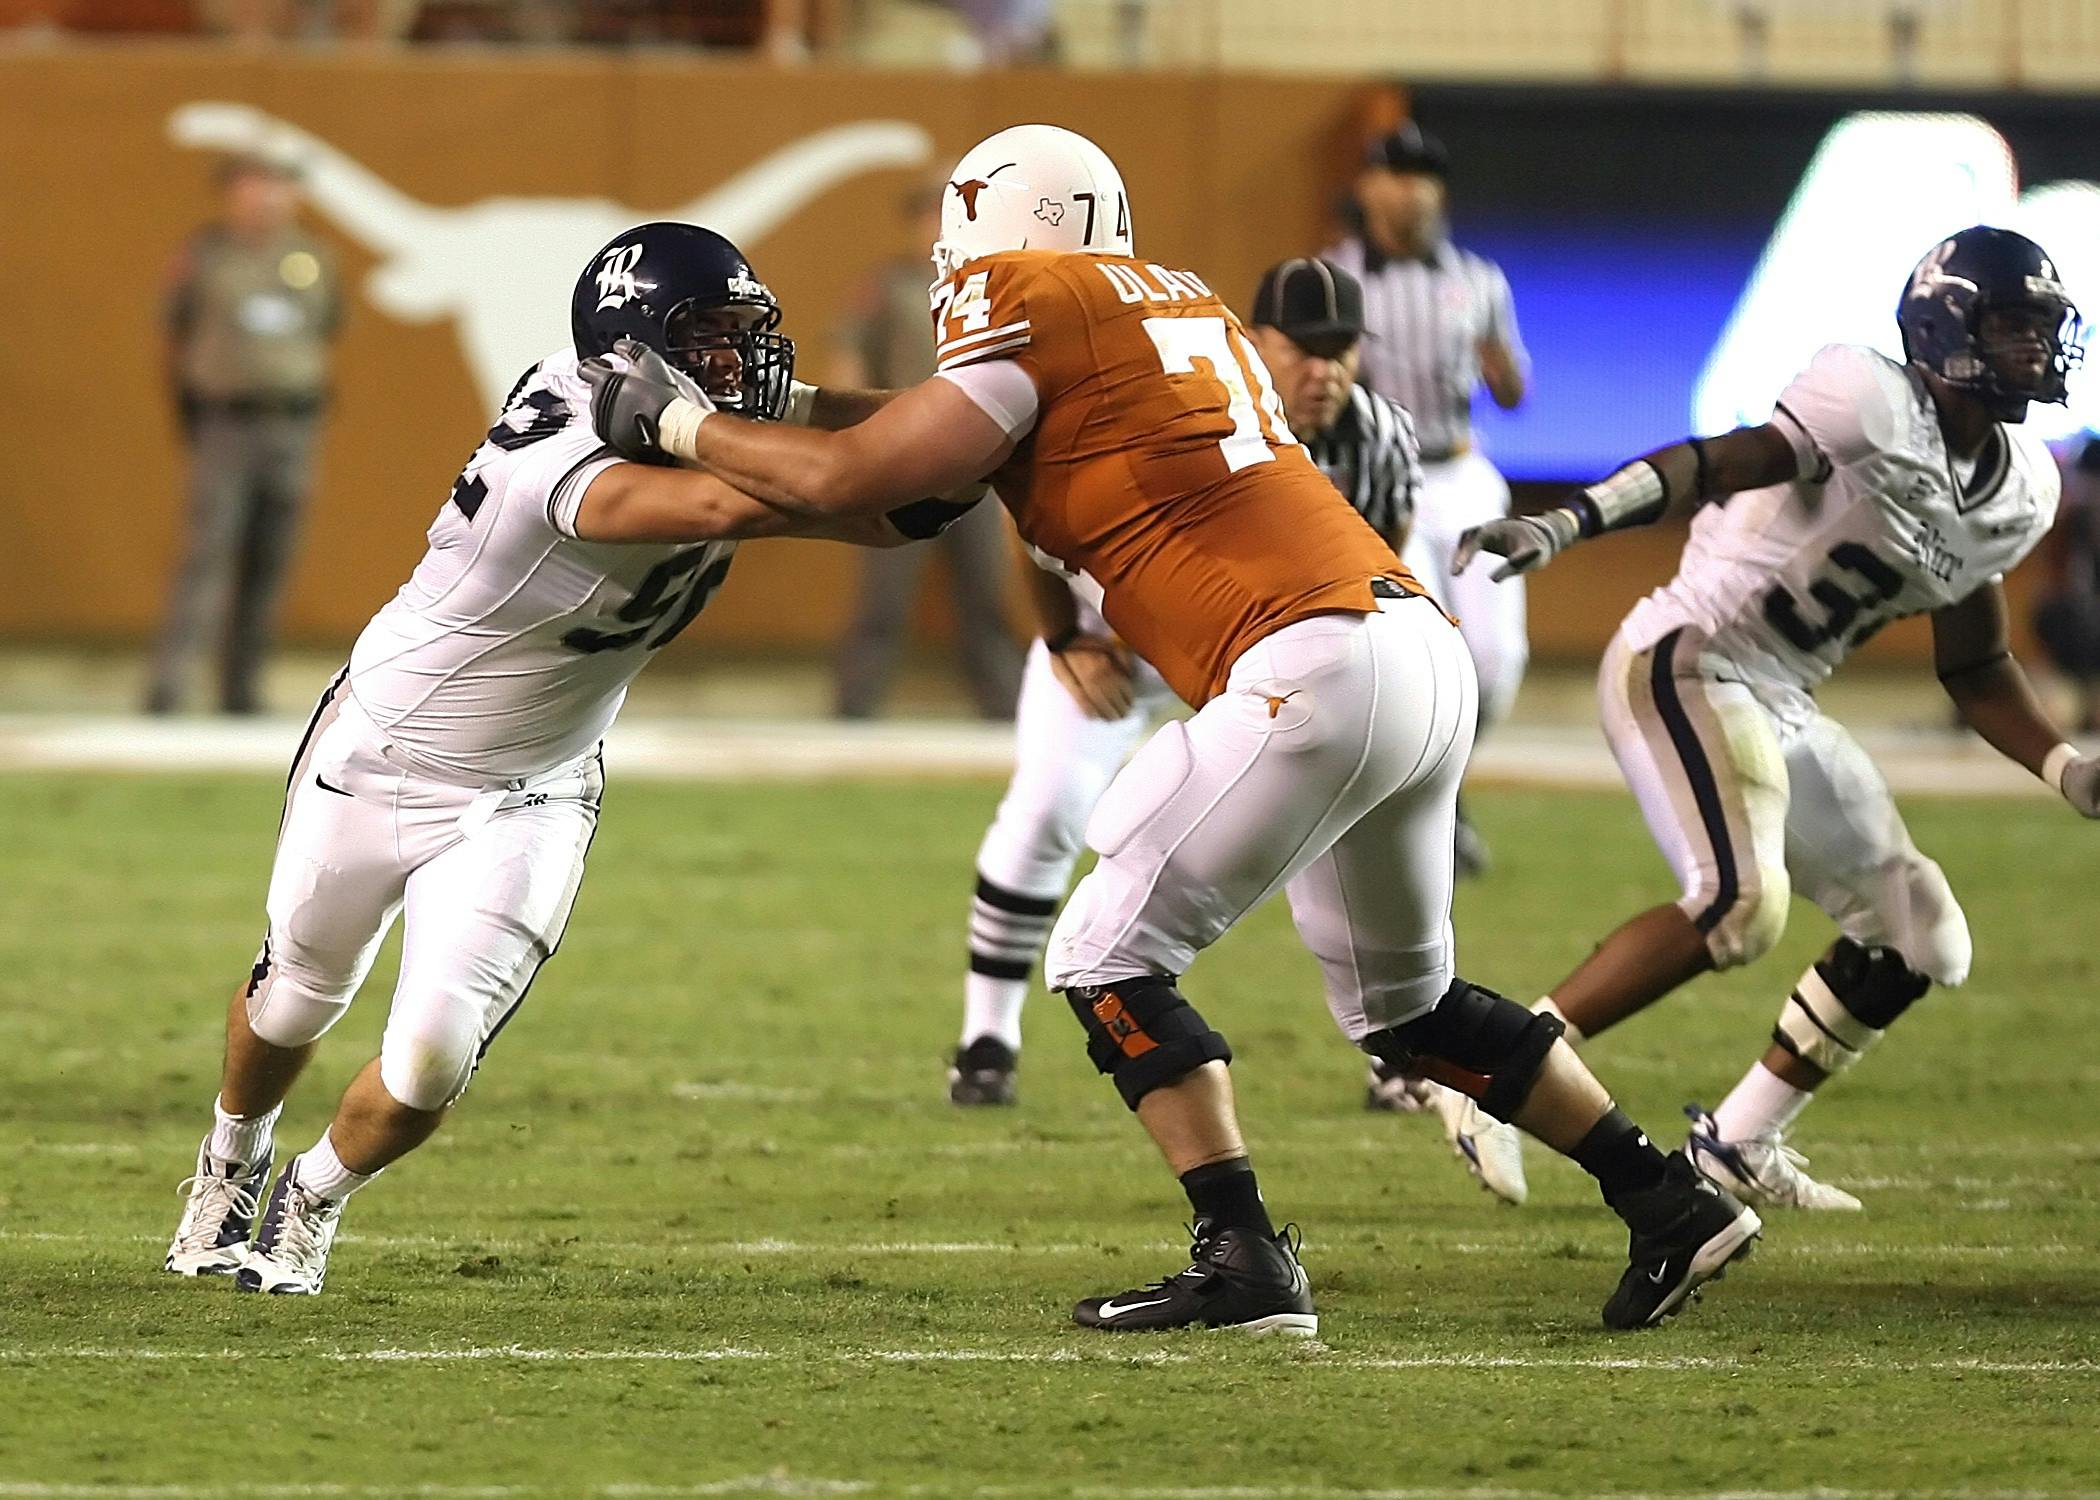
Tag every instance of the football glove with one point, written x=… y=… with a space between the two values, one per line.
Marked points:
x=629 y=406
x=1526 y=543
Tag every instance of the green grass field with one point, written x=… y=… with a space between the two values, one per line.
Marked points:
x=707 y=1225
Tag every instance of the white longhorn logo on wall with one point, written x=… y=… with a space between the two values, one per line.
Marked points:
x=503 y=268
x=1881 y=188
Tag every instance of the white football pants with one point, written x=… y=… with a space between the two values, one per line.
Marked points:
x=1753 y=794
x=486 y=877
x=1064 y=759
x=1458 y=493
x=1329 y=766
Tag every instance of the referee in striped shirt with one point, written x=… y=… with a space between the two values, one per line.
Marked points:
x=1308 y=324
x=1442 y=326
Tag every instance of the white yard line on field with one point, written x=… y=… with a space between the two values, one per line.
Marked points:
x=1812 y=1250
x=795 y=1485
x=1316 y=1356
x=1399 y=1238
x=694 y=749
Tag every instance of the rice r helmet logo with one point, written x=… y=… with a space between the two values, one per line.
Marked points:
x=1932 y=273
x=616 y=276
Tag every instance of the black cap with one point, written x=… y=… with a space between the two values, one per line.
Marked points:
x=1306 y=299
x=1410 y=149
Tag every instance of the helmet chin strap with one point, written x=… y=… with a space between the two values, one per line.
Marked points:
x=2005 y=407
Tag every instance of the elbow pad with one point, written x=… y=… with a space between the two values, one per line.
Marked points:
x=922 y=520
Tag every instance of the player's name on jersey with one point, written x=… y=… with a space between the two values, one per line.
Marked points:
x=1164 y=286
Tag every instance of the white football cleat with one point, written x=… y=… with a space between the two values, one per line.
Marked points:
x=1492 y=1149
x=222 y=1198
x=1763 y=1171
x=290 y=1253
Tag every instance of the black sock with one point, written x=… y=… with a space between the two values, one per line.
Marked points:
x=1619 y=1155
x=1224 y=1194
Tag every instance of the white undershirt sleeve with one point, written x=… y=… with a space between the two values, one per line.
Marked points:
x=567 y=496
x=1843 y=407
x=1808 y=459
x=1002 y=390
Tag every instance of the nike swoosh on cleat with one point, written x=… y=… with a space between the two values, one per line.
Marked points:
x=1112 y=1309
x=1660 y=1272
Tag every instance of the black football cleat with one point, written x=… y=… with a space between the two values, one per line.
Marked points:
x=1685 y=1232
x=983 y=1073
x=1237 y=1278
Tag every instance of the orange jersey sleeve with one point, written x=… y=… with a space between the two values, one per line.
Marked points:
x=1160 y=465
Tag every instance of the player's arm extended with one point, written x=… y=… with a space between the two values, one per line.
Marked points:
x=833 y=408
x=930 y=439
x=631 y=502
x=1671 y=482
x=1972 y=652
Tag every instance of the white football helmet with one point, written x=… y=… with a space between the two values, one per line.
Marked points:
x=1032 y=187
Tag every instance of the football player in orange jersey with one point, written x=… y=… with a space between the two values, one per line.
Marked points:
x=1124 y=418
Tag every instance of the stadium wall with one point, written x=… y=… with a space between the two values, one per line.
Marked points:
x=463 y=192
x=468 y=194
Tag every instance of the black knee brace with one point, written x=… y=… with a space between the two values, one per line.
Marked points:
x=1475 y=1041
x=1875 y=984
x=1143 y=1034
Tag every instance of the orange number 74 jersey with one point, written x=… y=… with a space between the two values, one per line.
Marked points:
x=1160 y=465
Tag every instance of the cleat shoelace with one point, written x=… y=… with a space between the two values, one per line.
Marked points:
x=1785 y=1173
x=304 y=1231
x=212 y=1200
x=1202 y=1245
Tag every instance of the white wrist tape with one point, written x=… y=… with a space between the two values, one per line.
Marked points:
x=801 y=398
x=1632 y=496
x=2053 y=765
x=676 y=428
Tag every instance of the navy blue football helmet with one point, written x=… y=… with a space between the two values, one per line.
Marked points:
x=690 y=295
x=1987 y=313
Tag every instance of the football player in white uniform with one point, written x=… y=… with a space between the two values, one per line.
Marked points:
x=1877 y=490
x=1086 y=701
x=452 y=771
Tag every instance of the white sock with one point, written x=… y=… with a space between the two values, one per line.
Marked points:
x=1008 y=928
x=321 y=1172
x=240 y=1138
x=1570 y=1032
x=1762 y=1101
x=992 y=1007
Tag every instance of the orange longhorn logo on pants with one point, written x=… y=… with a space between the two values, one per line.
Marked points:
x=1122 y=1026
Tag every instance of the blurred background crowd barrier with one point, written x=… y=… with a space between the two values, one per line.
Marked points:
x=1950 y=43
